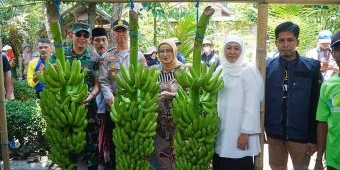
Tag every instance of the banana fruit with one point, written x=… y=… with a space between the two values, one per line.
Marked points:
x=63 y=111
x=134 y=112
x=196 y=133
x=194 y=109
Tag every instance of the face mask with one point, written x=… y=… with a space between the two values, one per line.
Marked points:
x=206 y=49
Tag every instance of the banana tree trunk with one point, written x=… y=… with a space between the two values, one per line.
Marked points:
x=133 y=20
x=53 y=20
x=200 y=32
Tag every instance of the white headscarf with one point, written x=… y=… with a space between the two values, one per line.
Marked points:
x=235 y=69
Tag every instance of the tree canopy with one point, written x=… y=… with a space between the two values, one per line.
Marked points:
x=164 y=20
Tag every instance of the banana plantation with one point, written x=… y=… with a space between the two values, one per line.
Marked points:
x=56 y=125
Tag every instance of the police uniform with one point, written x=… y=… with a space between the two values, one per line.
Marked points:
x=109 y=67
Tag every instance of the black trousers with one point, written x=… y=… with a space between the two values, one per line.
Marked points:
x=245 y=163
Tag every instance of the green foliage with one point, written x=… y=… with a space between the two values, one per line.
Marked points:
x=310 y=18
x=35 y=20
x=8 y=9
x=245 y=14
x=185 y=31
x=172 y=20
x=23 y=92
x=25 y=123
x=23 y=20
x=155 y=8
x=24 y=119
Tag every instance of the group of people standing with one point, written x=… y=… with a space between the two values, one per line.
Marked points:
x=298 y=114
x=301 y=110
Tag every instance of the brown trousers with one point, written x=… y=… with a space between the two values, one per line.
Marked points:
x=279 y=150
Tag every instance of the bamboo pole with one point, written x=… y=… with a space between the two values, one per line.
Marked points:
x=3 y=118
x=261 y=54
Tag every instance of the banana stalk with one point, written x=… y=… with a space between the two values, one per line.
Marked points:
x=61 y=100
x=133 y=21
x=56 y=31
x=195 y=110
x=134 y=110
x=200 y=32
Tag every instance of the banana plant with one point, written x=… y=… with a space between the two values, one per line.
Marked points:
x=134 y=110
x=62 y=100
x=195 y=108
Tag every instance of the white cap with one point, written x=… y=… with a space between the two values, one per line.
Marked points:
x=150 y=50
x=175 y=40
x=206 y=42
x=325 y=36
x=6 y=48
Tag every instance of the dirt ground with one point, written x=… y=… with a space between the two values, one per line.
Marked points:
x=41 y=165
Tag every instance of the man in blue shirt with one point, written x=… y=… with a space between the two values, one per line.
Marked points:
x=292 y=89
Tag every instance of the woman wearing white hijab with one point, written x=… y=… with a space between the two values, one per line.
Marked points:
x=238 y=107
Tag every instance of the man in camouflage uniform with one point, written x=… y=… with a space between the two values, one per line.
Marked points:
x=79 y=50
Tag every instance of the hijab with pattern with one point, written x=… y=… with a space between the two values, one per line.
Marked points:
x=174 y=63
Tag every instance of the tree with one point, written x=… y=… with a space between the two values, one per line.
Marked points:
x=170 y=20
x=310 y=18
x=23 y=22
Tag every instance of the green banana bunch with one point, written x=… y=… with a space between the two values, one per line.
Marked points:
x=77 y=74
x=195 y=133
x=62 y=109
x=61 y=104
x=51 y=78
x=194 y=108
x=135 y=113
x=65 y=129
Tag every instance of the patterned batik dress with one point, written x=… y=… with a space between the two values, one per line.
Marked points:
x=163 y=158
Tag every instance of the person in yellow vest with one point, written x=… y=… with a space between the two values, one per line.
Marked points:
x=38 y=65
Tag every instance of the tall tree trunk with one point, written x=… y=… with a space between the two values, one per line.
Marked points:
x=47 y=25
x=92 y=14
x=154 y=26
x=117 y=9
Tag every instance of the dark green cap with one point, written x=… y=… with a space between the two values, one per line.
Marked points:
x=79 y=26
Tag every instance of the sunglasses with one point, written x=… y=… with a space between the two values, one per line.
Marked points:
x=82 y=33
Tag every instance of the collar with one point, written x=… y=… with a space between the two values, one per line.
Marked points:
x=86 y=54
x=297 y=57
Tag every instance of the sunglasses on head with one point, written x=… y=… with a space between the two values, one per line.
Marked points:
x=82 y=33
